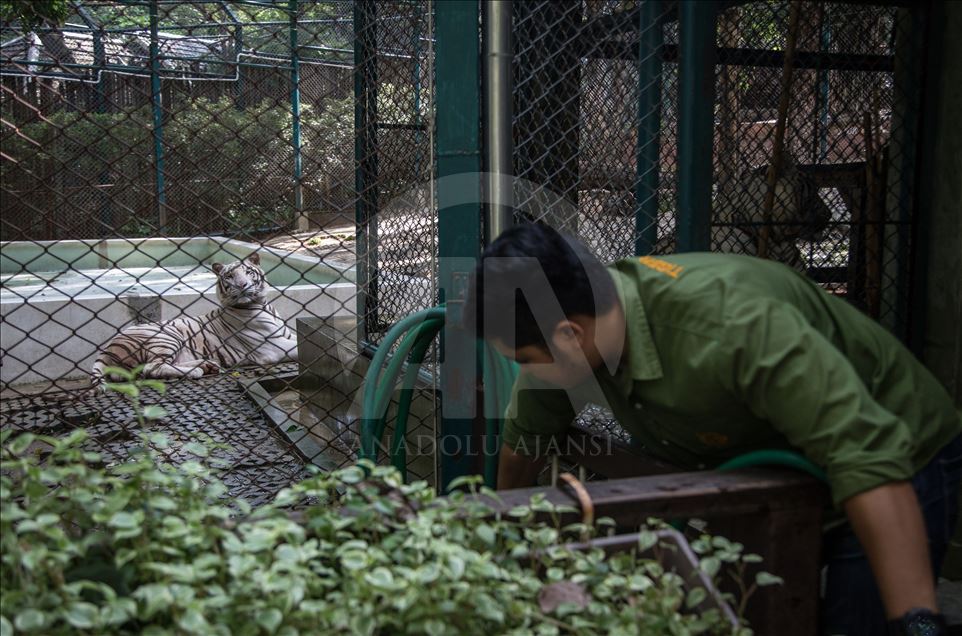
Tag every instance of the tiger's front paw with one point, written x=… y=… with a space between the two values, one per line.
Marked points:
x=209 y=367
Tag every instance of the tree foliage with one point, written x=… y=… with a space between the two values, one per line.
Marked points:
x=30 y=14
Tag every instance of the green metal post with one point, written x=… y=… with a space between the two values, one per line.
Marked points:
x=696 y=96
x=300 y=219
x=100 y=106
x=238 y=50
x=459 y=225
x=911 y=46
x=649 y=122
x=158 y=111
x=365 y=164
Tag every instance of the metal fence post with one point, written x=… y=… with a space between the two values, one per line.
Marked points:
x=238 y=49
x=365 y=163
x=498 y=102
x=100 y=106
x=696 y=125
x=302 y=224
x=459 y=223
x=648 y=146
x=158 y=112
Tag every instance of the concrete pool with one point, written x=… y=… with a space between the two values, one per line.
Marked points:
x=60 y=301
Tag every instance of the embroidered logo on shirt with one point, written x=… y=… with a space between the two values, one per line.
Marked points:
x=666 y=268
x=708 y=438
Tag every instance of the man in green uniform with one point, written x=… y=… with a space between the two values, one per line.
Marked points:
x=703 y=357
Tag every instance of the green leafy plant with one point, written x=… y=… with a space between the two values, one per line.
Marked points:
x=143 y=546
x=30 y=14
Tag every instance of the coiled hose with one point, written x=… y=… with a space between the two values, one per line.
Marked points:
x=416 y=333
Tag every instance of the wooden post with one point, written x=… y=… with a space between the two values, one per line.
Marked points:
x=785 y=99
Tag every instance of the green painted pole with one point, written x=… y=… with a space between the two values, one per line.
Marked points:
x=238 y=50
x=649 y=123
x=696 y=75
x=365 y=165
x=100 y=106
x=911 y=49
x=158 y=112
x=300 y=219
x=458 y=144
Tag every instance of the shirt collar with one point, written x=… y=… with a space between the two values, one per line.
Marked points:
x=642 y=362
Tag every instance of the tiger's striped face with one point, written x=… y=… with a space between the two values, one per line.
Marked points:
x=242 y=283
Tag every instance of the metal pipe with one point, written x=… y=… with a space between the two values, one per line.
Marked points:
x=158 y=112
x=498 y=98
x=301 y=220
x=649 y=123
x=696 y=96
x=366 y=164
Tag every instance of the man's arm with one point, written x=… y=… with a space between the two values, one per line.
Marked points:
x=792 y=376
x=888 y=523
x=516 y=470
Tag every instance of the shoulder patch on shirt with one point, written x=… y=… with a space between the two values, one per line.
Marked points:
x=666 y=268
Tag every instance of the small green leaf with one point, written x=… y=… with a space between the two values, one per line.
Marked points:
x=456 y=564
x=124 y=521
x=710 y=566
x=21 y=443
x=695 y=597
x=6 y=629
x=154 y=412
x=485 y=533
x=29 y=620
x=270 y=619
x=82 y=615
x=119 y=372
x=752 y=558
x=197 y=449
x=764 y=578
x=125 y=389
x=646 y=540
x=380 y=577
x=194 y=622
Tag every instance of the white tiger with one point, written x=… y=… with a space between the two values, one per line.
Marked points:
x=244 y=330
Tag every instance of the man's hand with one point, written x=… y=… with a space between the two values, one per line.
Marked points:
x=517 y=471
x=888 y=522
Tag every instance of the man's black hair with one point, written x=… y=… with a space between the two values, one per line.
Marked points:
x=578 y=281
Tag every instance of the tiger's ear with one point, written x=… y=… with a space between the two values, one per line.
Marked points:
x=254 y=259
x=217 y=267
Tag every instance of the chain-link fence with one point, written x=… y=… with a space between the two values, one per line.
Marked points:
x=145 y=141
x=814 y=84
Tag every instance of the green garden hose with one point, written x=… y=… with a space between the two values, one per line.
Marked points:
x=416 y=333
x=785 y=458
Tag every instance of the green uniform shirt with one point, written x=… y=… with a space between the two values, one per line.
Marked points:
x=729 y=354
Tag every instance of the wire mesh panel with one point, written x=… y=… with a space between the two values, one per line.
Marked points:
x=839 y=79
x=815 y=118
x=160 y=160
x=586 y=76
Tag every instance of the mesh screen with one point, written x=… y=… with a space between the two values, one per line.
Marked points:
x=841 y=209
x=145 y=141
